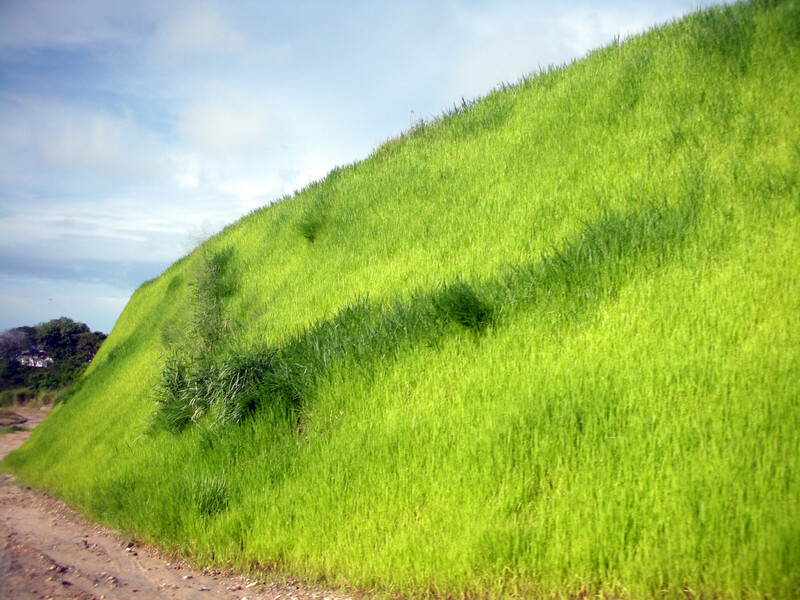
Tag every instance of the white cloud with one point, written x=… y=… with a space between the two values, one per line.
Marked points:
x=198 y=30
x=122 y=229
x=187 y=170
x=217 y=127
x=97 y=141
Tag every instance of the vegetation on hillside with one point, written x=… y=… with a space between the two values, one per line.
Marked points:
x=68 y=346
x=543 y=346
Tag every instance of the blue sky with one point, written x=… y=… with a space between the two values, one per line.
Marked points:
x=132 y=130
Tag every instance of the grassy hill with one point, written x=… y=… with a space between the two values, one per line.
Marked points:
x=546 y=344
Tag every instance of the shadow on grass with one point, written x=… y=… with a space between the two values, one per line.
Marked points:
x=561 y=285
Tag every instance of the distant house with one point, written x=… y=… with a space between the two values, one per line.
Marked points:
x=36 y=359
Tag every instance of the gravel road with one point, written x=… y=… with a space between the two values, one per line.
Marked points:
x=47 y=550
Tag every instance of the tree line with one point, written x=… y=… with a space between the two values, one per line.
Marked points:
x=71 y=345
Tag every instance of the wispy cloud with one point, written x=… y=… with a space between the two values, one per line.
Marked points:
x=98 y=141
x=217 y=127
x=58 y=24
x=197 y=30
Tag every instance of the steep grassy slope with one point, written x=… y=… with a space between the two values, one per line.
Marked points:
x=545 y=344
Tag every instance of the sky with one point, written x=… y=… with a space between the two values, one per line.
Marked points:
x=131 y=131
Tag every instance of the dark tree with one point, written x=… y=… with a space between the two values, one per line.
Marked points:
x=59 y=337
x=71 y=345
x=14 y=342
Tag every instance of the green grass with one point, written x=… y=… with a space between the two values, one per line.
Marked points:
x=546 y=344
x=24 y=396
x=11 y=429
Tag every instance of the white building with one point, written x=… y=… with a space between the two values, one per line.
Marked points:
x=36 y=359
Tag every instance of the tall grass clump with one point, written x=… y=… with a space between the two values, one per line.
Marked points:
x=204 y=373
x=544 y=346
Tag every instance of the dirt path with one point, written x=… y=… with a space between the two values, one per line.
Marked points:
x=47 y=550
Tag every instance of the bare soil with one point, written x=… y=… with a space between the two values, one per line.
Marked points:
x=47 y=550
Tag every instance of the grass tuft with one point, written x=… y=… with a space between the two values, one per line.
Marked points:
x=309 y=227
x=212 y=495
x=460 y=303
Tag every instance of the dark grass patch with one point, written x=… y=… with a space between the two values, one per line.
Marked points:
x=310 y=226
x=313 y=221
x=460 y=303
x=11 y=429
x=211 y=495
